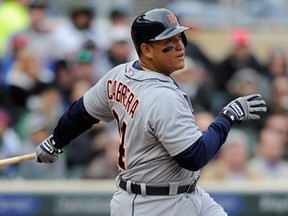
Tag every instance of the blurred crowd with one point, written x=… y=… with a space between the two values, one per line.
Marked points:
x=47 y=64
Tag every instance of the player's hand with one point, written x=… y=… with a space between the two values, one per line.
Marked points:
x=244 y=108
x=46 y=151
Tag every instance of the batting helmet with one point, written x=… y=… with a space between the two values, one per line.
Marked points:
x=154 y=25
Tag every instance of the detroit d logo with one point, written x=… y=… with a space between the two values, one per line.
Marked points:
x=171 y=18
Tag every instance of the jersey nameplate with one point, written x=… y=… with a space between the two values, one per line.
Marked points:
x=121 y=93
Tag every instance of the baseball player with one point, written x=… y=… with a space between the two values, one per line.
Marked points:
x=161 y=148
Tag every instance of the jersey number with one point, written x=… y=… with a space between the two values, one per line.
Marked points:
x=122 y=131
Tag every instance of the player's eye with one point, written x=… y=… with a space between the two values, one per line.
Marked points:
x=169 y=40
x=175 y=38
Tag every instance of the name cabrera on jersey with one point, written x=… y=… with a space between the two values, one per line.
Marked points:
x=121 y=93
x=155 y=119
x=109 y=92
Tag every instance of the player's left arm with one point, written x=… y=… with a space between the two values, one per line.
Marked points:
x=204 y=149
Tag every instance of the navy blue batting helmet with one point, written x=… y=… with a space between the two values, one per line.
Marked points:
x=154 y=25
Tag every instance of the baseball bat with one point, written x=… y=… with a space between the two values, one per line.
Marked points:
x=17 y=159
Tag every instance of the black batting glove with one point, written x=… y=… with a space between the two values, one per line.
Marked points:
x=46 y=151
x=244 y=108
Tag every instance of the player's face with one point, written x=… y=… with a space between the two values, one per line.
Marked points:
x=168 y=55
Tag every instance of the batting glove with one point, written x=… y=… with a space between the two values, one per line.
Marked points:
x=46 y=151
x=244 y=108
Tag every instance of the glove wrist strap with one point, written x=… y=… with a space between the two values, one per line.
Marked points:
x=228 y=115
x=52 y=141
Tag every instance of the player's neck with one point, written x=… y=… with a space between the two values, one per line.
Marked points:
x=144 y=66
x=149 y=67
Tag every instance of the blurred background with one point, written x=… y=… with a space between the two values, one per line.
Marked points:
x=52 y=52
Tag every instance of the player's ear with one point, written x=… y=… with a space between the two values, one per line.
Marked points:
x=146 y=50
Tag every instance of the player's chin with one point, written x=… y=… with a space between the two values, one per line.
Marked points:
x=179 y=64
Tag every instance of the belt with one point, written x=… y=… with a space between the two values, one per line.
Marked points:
x=157 y=190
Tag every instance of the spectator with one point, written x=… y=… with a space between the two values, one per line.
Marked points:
x=26 y=77
x=79 y=88
x=79 y=32
x=47 y=101
x=10 y=145
x=201 y=59
x=248 y=81
x=118 y=17
x=13 y=17
x=244 y=82
x=240 y=56
x=81 y=152
x=5 y=100
x=279 y=124
x=84 y=67
x=190 y=78
x=231 y=163
x=203 y=119
x=190 y=73
x=280 y=95
x=37 y=37
x=38 y=128
x=268 y=162
x=104 y=166
x=120 y=48
x=276 y=64
x=64 y=79
x=17 y=43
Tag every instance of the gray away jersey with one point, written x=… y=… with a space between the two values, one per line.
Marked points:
x=154 y=118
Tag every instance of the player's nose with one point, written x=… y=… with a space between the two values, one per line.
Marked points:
x=180 y=45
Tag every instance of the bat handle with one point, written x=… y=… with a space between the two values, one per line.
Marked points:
x=17 y=159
